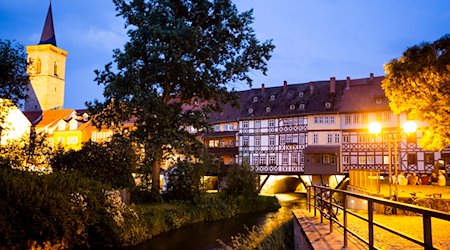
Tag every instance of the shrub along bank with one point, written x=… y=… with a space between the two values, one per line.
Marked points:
x=65 y=210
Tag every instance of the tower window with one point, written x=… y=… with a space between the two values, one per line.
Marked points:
x=55 y=69
x=38 y=66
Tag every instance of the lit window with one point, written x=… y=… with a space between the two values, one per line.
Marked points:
x=72 y=140
x=356 y=119
x=361 y=160
x=364 y=118
x=370 y=160
x=348 y=119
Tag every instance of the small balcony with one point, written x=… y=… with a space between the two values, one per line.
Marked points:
x=230 y=150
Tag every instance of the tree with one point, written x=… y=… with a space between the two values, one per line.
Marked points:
x=13 y=77
x=418 y=83
x=176 y=68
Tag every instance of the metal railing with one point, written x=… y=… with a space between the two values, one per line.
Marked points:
x=322 y=200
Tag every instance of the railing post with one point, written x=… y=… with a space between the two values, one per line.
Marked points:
x=315 y=201
x=370 y=218
x=330 y=210
x=427 y=235
x=345 y=220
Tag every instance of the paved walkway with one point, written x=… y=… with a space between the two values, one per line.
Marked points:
x=319 y=233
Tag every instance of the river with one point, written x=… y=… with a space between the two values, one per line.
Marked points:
x=203 y=236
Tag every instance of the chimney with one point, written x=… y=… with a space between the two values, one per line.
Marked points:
x=347 y=83
x=332 y=85
x=371 y=76
x=262 y=87
x=284 y=87
x=311 y=87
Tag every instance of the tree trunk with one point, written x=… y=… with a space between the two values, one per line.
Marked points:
x=156 y=170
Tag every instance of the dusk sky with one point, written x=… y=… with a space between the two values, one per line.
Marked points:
x=314 y=39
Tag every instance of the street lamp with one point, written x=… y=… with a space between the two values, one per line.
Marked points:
x=408 y=127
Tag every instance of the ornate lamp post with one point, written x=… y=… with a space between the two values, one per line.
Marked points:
x=408 y=127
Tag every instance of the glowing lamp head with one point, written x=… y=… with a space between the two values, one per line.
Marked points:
x=375 y=127
x=410 y=127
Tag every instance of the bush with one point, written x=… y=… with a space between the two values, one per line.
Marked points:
x=183 y=181
x=55 y=208
x=241 y=180
x=111 y=163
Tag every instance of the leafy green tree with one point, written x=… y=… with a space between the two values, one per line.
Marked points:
x=110 y=162
x=241 y=180
x=176 y=68
x=13 y=77
x=419 y=83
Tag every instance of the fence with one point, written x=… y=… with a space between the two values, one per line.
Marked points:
x=368 y=180
x=321 y=199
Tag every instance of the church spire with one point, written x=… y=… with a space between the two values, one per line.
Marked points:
x=48 y=34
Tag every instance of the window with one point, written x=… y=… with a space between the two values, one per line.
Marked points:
x=302 y=139
x=262 y=160
x=72 y=140
x=429 y=158
x=300 y=94
x=285 y=158
x=245 y=140
x=228 y=127
x=55 y=69
x=329 y=138
x=289 y=139
x=255 y=160
x=362 y=138
x=301 y=106
x=245 y=124
x=364 y=118
x=271 y=123
x=61 y=140
x=370 y=160
x=294 y=158
x=361 y=160
x=272 y=97
x=328 y=105
x=346 y=139
x=272 y=160
x=257 y=140
x=217 y=127
x=213 y=143
x=336 y=138
x=61 y=125
x=255 y=99
x=292 y=106
x=378 y=100
x=250 y=110
x=257 y=124
x=272 y=140
x=348 y=119
x=387 y=116
x=268 y=109
x=245 y=159
x=356 y=119
x=38 y=66
x=346 y=159
x=315 y=138
x=412 y=159
x=326 y=159
x=282 y=139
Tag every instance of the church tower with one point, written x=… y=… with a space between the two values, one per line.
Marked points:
x=46 y=71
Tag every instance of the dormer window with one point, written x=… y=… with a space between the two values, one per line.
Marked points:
x=268 y=109
x=272 y=97
x=328 y=105
x=300 y=94
x=250 y=110
x=378 y=100
x=61 y=125
x=255 y=99
x=292 y=106
x=301 y=106
x=73 y=124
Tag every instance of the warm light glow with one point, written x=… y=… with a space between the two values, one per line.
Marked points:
x=375 y=127
x=410 y=127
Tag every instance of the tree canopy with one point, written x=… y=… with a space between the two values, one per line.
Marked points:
x=13 y=71
x=418 y=83
x=177 y=67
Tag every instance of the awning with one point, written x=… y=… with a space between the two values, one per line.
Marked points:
x=321 y=149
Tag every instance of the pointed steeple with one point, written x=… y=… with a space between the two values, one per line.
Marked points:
x=48 y=34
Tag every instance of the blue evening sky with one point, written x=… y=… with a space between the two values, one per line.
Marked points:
x=314 y=39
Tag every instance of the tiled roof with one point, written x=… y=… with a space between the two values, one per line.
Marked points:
x=51 y=117
x=33 y=117
x=364 y=95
